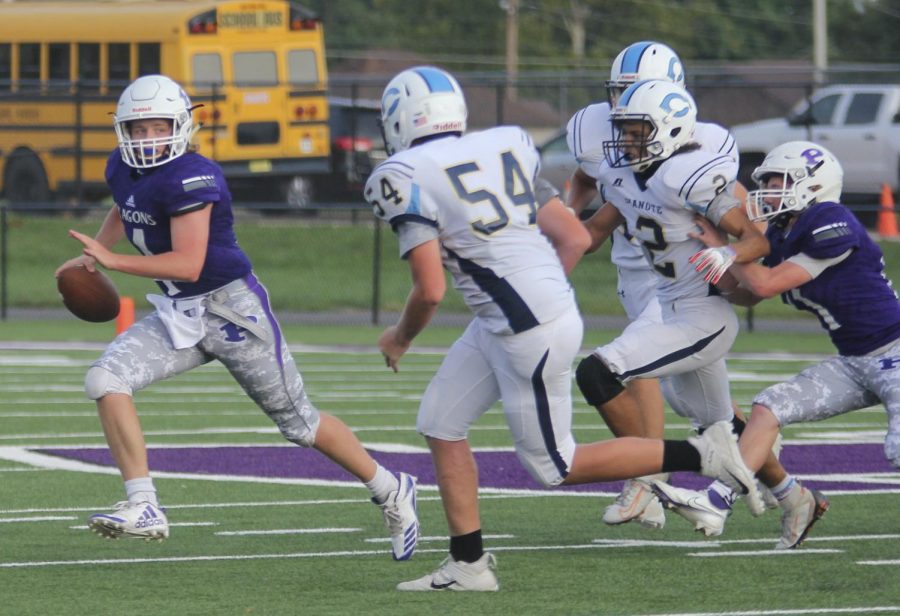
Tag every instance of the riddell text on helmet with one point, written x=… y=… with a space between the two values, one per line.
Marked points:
x=447 y=126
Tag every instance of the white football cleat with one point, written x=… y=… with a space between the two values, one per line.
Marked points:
x=693 y=506
x=400 y=517
x=653 y=516
x=632 y=502
x=799 y=516
x=721 y=458
x=458 y=575
x=142 y=520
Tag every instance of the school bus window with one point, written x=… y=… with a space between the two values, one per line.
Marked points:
x=29 y=66
x=148 y=59
x=119 y=65
x=5 y=66
x=89 y=66
x=207 y=70
x=302 y=69
x=59 y=65
x=255 y=68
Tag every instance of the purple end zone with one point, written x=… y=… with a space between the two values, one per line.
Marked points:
x=496 y=469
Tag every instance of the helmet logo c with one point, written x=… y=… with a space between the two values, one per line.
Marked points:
x=675 y=65
x=675 y=104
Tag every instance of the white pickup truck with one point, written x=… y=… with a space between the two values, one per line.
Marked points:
x=859 y=123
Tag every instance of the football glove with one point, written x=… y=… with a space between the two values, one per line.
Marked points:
x=714 y=261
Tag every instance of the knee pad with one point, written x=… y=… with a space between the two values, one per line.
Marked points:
x=596 y=381
x=299 y=432
x=738 y=424
x=99 y=381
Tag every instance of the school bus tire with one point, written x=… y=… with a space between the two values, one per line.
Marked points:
x=24 y=179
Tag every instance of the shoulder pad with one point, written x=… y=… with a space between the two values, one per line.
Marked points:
x=696 y=178
x=715 y=139
x=586 y=132
x=827 y=231
x=392 y=191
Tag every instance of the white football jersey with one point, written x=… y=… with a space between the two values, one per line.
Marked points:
x=586 y=132
x=476 y=195
x=659 y=213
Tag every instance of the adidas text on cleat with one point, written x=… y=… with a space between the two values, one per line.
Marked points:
x=632 y=502
x=401 y=519
x=695 y=507
x=721 y=458
x=458 y=575
x=798 y=518
x=142 y=520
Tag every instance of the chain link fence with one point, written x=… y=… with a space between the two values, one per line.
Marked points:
x=329 y=260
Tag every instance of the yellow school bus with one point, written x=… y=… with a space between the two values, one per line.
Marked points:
x=257 y=67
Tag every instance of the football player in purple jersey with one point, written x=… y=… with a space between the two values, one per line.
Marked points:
x=174 y=207
x=821 y=261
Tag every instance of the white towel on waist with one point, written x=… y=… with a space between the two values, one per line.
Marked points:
x=183 y=319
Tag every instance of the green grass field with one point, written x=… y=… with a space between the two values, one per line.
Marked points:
x=309 y=266
x=271 y=545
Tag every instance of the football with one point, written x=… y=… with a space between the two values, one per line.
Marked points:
x=90 y=296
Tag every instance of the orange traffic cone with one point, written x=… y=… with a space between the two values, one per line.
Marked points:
x=887 y=220
x=125 y=318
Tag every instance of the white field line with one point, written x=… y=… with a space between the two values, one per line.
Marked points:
x=43 y=518
x=717 y=543
x=800 y=612
x=766 y=552
x=287 y=531
x=878 y=562
x=288 y=555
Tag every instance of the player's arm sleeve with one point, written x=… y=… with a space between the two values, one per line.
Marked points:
x=816 y=266
x=412 y=234
x=544 y=191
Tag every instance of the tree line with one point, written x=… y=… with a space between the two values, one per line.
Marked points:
x=571 y=34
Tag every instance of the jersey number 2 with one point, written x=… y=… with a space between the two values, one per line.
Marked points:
x=658 y=244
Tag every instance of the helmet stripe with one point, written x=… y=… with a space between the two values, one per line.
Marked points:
x=631 y=61
x=629 y=92
x=435 y=79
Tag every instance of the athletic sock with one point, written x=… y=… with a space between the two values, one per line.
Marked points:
x=382 y=484
x=786 y=488
x=467 y=548
x=680 y=456
x=141 y=490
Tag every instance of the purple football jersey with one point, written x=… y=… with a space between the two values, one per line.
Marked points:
x=148 y=199
x=854 y=300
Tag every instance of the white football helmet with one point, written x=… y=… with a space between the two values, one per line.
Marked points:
x=641 y=61
x=420 y=102
x=810 y=174
x=671 y=114
x=153 y=96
